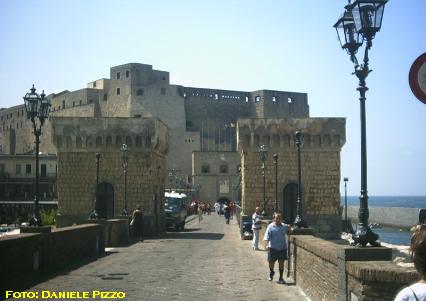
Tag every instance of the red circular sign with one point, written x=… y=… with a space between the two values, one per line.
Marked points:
x=417 y=78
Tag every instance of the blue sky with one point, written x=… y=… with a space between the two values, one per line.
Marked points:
x=239 y=45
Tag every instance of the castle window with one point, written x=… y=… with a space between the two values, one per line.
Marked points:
x=108 y=141
x=81 y=102
x=257 y=98
x=164 y=78
x=139 y=92
x=118 y=91
x=28 y=169
x=94 y=84
x=137 y=116
x=90 y=101
x=105 y=97
x=18 y=169
x=274 y=99
x=118 y=75
x=63 y=104
x=73 y=104
x=290 y=100
x=205 y=168
x=216 y=96
x=163 y=91
x=223 y=168
x=127 y=73
x=189 y=123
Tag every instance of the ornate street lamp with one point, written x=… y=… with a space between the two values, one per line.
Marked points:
x=361 y=21
x=299 y=222
x=94 y=214
x=125 y=162
x=275 y=156
x=37 y=108
x=263 y=154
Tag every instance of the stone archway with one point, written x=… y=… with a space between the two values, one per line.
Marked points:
x=289 y=204
x=223 y=200
x=105 y=200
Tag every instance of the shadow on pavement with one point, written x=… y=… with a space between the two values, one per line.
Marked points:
x=192 y=235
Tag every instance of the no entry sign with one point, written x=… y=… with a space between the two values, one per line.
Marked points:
x=417 y=78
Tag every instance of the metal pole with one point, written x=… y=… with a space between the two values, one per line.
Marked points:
x=299 y=222
x=94 y=214
x=346 y=206
x=36 y=220
x=276 y=181
x=364 y=234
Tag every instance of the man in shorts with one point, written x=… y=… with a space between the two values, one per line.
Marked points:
x=276 y=244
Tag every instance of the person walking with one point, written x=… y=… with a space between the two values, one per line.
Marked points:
x=227 y=211
x=200 y=213
x=276 y=244
x=255 y=218
x=416 y=291
x=137 y=223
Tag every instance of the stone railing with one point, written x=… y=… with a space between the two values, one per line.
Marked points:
x=26 y=256
x=330 y=270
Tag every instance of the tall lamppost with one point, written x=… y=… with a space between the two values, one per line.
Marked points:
x=94 y=214
x=125 y=162
x=263 y=154
x=299 y=222
x=275 y=156
x=360 y=22
x=346 y=206
x=37 y=108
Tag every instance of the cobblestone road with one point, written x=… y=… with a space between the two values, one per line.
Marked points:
x=208 y=261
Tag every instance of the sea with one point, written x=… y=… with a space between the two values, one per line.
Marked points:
x=390 y=235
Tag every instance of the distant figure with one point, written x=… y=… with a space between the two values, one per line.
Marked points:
x=217 y=207
x=417 y=291
x=200 y=213
x=276 y=244
x=422 y=216
x=227 y=211
x=209 y=208
x=255 y=218
x=137 y=223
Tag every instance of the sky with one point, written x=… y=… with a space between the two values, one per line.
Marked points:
x=243 y=45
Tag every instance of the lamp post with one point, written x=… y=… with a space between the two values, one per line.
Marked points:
x=263 y=154
x=37 y=108
x=299 y=222
x=346 y=206
x=275 y=156
x=94 y=214
x=125 y=162
x=360 y=22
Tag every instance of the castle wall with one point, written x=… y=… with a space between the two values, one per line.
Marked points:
x=320 y=166
x=79 y=139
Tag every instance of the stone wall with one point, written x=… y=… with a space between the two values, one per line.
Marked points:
x=320 y=167
x=79 y=139
x=24 y=257
x=388 y=216
x=328 y=271
x=220 y=179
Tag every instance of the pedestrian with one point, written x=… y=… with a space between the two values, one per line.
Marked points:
x=217 y=207
x=209 y=208
x=227 y=210
x=417 y=291
x=276 y=244
x=200 y=213
x=137 y=223
x=255 y=226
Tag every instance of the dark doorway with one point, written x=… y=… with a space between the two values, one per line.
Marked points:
x=289 y=203
x=223 y=200
x=105 y=200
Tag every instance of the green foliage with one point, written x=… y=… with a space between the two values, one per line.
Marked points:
x=48 y=217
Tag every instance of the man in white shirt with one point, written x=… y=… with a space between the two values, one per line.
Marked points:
x=256 y=227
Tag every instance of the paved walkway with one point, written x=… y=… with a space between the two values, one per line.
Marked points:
x=208 y=261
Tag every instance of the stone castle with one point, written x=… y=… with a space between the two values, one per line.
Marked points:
x=199 y=139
